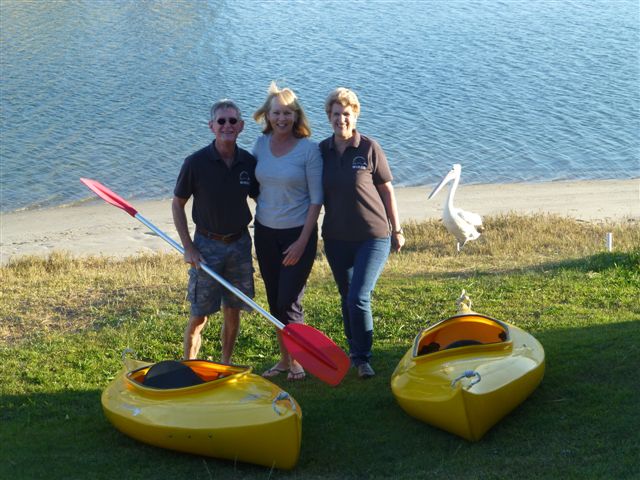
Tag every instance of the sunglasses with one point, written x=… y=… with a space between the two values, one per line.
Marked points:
x=222 y=121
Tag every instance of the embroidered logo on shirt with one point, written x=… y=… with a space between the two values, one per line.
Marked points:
x=245 y=179
x=359 y=163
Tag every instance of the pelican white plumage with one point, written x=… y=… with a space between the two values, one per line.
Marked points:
x=461 y=224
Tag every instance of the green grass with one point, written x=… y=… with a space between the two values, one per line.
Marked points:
x=65 y=322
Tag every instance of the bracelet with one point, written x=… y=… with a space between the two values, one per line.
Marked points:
x=398 y=232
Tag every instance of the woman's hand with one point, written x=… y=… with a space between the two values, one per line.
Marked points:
x=397 y=241
x=293 y=253
x=389 y=200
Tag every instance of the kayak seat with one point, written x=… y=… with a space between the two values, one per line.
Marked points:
x=462 y=343
x=171 y=374
x=432 y=347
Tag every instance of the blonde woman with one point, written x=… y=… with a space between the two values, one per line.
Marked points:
x=289 y=171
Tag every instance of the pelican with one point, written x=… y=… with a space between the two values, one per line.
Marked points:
x=461 y=224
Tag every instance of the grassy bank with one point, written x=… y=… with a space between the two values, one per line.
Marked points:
x=65 y=321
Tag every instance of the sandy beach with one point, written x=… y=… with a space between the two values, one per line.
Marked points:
x=97 y=228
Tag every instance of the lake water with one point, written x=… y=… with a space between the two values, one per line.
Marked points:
x=515 y=91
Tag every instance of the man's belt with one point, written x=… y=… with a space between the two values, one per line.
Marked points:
x=228 y=238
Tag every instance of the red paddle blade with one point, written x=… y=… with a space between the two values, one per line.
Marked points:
x=108 y=196
x=316 y=352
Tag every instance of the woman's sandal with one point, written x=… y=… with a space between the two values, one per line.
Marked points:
x=274 y=371
x=296 y=376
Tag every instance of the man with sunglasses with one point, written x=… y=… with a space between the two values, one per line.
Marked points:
x=219 y=177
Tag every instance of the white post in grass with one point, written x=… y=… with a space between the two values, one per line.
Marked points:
x=609 y=242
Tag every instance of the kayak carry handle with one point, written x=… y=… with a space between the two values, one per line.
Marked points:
x=467 y=374
x=280 y=397
x=128 y=354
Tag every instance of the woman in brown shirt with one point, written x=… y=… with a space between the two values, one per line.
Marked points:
x=361 y=220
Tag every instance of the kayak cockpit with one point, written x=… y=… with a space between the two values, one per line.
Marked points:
x=186 y=374
x=463 y=330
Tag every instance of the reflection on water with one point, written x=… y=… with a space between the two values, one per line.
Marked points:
x=120 y=91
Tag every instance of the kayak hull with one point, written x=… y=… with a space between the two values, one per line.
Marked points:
x=233 y=414
x=489 y=369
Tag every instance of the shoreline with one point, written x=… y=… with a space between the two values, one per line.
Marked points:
x=96 y=228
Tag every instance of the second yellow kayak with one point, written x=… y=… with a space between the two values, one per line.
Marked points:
x=467 y=372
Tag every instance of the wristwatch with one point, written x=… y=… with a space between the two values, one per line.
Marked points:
x=398 y=232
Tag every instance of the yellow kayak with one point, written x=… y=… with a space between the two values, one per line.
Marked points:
x=467 y=372
x=206 y=408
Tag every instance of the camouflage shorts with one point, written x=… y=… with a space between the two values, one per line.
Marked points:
x=233 y=262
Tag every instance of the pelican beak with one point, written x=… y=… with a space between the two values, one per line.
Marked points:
x=448 y=177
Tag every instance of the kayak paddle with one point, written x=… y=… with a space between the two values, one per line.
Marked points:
x=316 y=352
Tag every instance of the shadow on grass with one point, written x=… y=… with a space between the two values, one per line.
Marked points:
x=576 y=424
x=66 y=435
x=600 y=262
x=597 y=263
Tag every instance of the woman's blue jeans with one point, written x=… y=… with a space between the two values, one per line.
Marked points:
x=356 y=267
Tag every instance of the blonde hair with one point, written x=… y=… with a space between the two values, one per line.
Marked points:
x=286 y=96
x=343 y=96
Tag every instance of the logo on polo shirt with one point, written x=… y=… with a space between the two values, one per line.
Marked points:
x=245 y=178
x=359 y=163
